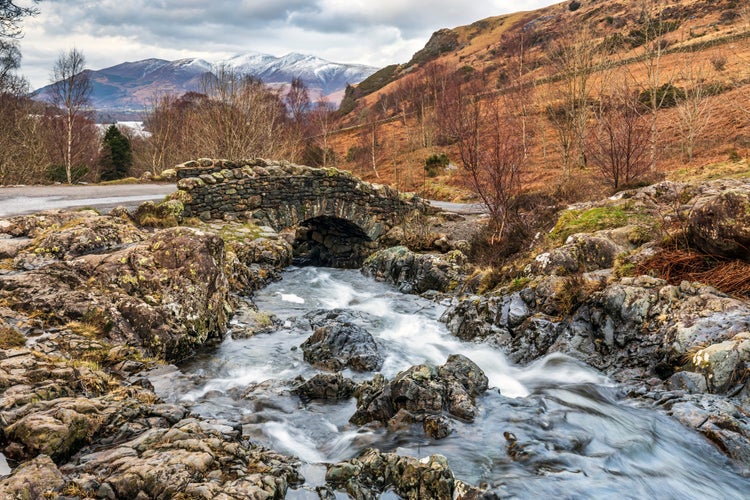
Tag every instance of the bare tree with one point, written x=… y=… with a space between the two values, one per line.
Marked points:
x=491 y=150
x=370 y=140
x=162 y=122
x=572 y=59
x=321 y=119
x=694 y=109
x=11 y=16
x=70 y=92
x=241 y=118
x=24 y=151
x=653 y=29
x=297 y=99
x=618 y=146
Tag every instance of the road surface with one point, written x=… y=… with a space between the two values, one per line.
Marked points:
x=19 y=200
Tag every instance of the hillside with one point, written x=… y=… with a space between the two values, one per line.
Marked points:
x=695 y=47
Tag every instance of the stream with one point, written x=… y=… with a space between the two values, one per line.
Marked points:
x=576 y=437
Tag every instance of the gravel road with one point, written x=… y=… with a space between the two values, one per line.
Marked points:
x=18 y=200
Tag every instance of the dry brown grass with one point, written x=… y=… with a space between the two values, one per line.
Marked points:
x=726 y=136
x=675 y=266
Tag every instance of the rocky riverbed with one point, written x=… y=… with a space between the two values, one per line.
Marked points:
x=90 y=305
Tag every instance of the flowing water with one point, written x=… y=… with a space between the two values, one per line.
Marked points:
x=573 y=436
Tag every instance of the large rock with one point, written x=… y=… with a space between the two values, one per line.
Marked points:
x=338 y=343
x=57 y=428
x=581 y=253
x=167 y=294
x=326 y=386
x=374 y=472
x=422 y=393
x=34 y=225
x=86 y=235
x=720 y=224
x=253 y=263
x=37 y=478
x=417 y=273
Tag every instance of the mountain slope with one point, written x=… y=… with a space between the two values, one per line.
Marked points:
x=130 y=85
x=696 y=48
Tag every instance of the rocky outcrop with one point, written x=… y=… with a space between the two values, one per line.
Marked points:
x=421 y=394
x=374 y=472
x=580 y=253
x=720 y=224
x=167 y=295
x=338 y=343
x=417 y=273
x=634 y=323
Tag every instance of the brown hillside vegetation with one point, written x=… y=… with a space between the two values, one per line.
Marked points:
x=577 y=82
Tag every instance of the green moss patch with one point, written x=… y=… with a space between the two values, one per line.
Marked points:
x=590 y=220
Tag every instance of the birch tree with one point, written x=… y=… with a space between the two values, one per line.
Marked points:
x=70 y=92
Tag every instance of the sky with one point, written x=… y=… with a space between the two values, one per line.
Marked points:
x=373 y=32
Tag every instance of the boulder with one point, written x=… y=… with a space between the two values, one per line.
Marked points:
x=337 y=343
x=325 y=386
x=724 y=364
x=720 y=225
x=423 y=392
x=167 y=294
x=417 y=273
x=57 y=428
x=37 y=478
x=34 y=225
x=82 y=236
x=581 y=253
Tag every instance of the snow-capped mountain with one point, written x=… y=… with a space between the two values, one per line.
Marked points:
x=131 y=85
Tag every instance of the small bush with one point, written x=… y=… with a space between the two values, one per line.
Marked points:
x=719 y=62
x=728 y=16
x=651 y=31
x=667 y=96
x=435 y=164
x=56 y=173
x=574 y=6
x=573 y=291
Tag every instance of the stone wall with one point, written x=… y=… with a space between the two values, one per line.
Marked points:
x=283 y=195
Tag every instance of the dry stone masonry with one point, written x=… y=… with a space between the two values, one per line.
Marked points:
x=338 y=217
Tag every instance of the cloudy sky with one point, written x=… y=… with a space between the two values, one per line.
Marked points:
x=375 y=32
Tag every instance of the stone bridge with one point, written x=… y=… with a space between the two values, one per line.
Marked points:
x=338 y=218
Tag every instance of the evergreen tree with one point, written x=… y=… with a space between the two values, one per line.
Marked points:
x=117 y=155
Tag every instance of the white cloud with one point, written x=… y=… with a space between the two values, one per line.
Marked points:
x=112 y=31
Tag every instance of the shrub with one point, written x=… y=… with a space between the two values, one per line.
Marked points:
x=574 y=6
x=728 y=16
x=56 y=173
x=719 y=62
x=667 y=96
x=435 y=164
x=651 y=31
